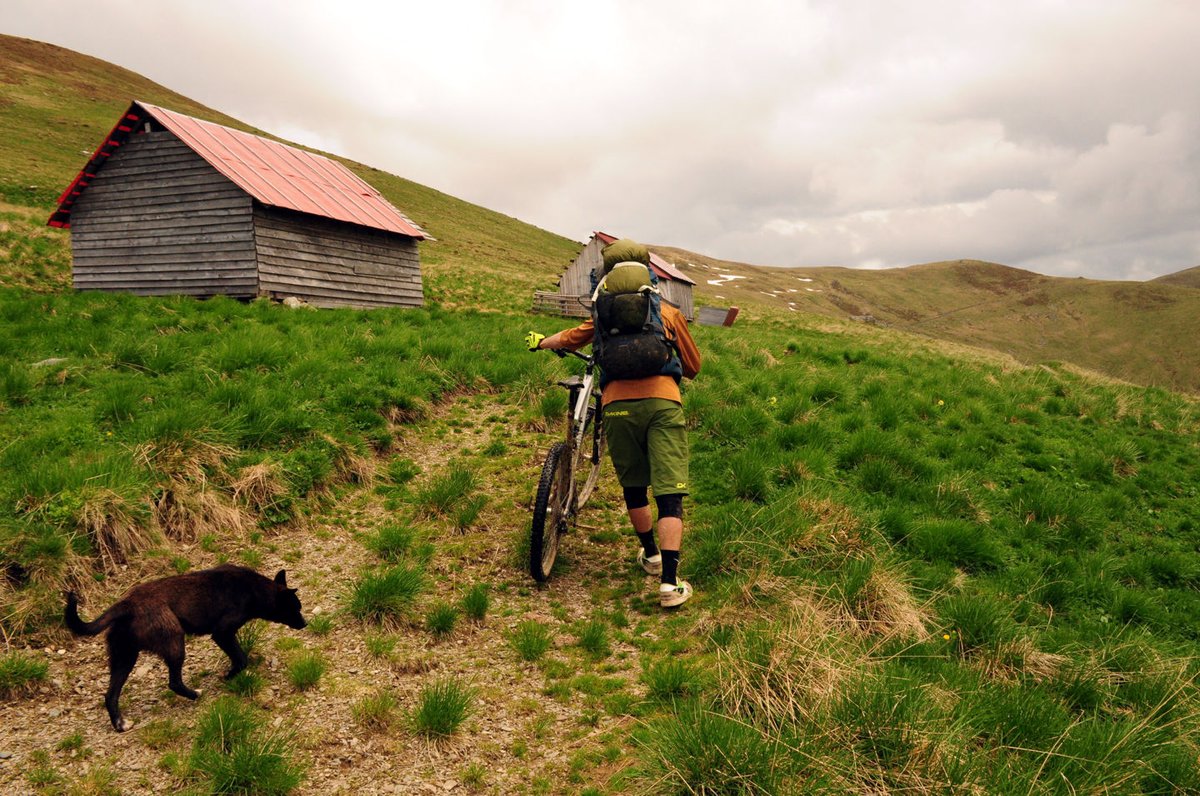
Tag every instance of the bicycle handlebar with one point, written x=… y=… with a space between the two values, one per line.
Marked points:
x=563 y=352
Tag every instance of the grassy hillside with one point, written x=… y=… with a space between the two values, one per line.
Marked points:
x=1189 y=277
x=1134 y=331
x=919 y=566
x=915 y=571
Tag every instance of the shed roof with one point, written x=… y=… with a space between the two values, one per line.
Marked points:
x=274 y=174
x=661 y=267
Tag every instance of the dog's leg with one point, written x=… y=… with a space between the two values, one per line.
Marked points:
x=227 y=641
x=122 y=655
x=173 y=656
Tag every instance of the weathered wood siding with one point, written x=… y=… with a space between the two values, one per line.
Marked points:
x=577 y=281
x=679 y=294
x=330 y=264
x=159 y=220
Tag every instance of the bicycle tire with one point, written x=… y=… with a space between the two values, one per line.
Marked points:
x=588 y=460
x=549 y=512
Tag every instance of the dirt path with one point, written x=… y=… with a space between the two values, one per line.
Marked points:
x=536 y=728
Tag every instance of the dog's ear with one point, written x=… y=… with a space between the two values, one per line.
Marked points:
x=281 y=577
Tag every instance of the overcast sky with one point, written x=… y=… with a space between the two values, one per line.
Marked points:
x=1063 y=137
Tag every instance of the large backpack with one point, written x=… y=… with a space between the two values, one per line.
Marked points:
x=630 y=340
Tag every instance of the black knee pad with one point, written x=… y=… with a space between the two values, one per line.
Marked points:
x=669 y=506
x=635 y=497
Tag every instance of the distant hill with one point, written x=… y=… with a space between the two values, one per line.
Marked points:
x=1189 y=277
x=1136 y=331
x=56 y=105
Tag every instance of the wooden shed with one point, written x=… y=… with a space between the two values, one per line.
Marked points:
x=172 y=205
x=573 y=296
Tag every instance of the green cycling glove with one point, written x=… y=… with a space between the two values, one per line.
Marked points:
x=533 y=339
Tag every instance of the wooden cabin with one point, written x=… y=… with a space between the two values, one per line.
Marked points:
x=573 y=297
x=172 y=205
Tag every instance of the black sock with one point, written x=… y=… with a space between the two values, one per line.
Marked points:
x=670 y=566
x=647 y=540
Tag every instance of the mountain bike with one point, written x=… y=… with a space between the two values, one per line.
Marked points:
x=571 y=469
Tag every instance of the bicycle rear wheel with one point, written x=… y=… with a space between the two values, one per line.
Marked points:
x=550 y=512
x=588 y=460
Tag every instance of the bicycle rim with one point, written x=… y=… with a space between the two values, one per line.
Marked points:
x=549 y=512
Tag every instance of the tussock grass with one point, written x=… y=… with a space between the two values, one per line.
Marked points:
x=20 y=674
x=377 y=712
x=779 y=674
x=247 y=683
x=187 y=512
x=392 y=542
x=857 y=498
x=928 y=533
x=446 y=491
x=441 y=619
x=702 y=751
x=880 y=601
x=234 y=752
x=670 y=679
x=306 y=670
x=475 y=602
x=531 y=640
x=388 y=596
x=442 y=707
x=594 y=639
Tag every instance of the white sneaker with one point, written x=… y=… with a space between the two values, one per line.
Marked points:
x=652 y=564
x=671 y=596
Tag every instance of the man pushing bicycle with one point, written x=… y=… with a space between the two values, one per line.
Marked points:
x=644 y=349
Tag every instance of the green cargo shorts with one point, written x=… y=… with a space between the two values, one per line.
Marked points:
x=647 y=440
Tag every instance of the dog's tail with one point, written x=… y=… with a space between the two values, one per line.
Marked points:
x=96 y=626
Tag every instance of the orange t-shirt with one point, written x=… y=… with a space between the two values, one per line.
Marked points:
x=676 y=328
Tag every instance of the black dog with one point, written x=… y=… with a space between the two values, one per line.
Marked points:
x=156 y=616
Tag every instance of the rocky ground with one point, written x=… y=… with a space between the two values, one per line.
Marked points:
x=524 y=735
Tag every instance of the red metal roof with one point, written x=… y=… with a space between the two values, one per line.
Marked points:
x=661 y=267
x=274 y=174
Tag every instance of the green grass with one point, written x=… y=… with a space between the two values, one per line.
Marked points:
x=475 y=602
x=701 y=751
x=393 y=541
x=20 y=674
x=320 y=624
x=235 y=752
x=377 y=712
x=594 y=639
x=306 y=670
x=137 y=416
x=670 y=679
x=380 y=646
x=447 y=490
x=442 y=707
x=386 y=596
x=531 y=640
x=246 y=683
x=441 y=619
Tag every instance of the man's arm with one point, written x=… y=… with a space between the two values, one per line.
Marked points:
x=689 y=355
x=572 y=339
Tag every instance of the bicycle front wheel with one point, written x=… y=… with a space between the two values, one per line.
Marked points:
x=550 y=512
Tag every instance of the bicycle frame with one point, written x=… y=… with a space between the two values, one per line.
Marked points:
x=580 y=399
